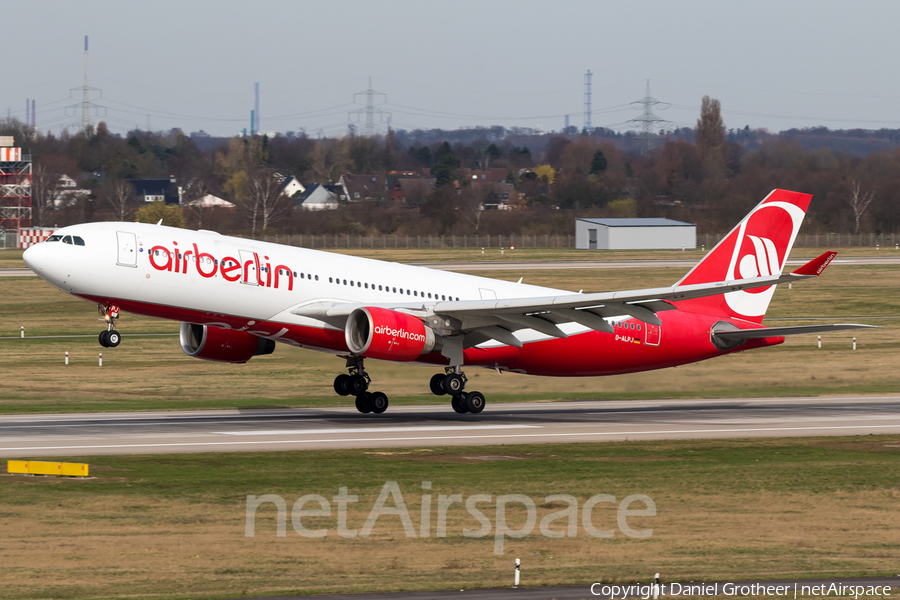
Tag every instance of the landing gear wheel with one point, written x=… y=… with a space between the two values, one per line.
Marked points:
x=475 y=402
x=379 y=402
x=341 y=386
x=357 y=384
x=104 y=339
x=113 y=338
x=363 y=403
x=437 y=384
x=454 y=383
x=459 y=404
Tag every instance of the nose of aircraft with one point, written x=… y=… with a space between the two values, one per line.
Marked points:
x=36 y=257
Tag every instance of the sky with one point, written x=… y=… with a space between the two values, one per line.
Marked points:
x=193 y=64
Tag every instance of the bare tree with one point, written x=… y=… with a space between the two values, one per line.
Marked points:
x=45 y=188
x=711 y=138
x=119 y=194
x=472 y=202
x=264 y=201
x=710 y=128
x=859 y=201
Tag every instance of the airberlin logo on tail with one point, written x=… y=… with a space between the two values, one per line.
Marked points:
x=763 y=262
x=231 y=269
x=399 y=333
x=763 y=242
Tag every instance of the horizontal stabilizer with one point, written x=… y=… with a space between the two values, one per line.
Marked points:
x=769 y=332
x=815 y=267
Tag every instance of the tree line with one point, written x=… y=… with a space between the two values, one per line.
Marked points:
x=707 y=175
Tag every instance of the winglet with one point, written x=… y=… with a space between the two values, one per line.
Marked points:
x=815 y=267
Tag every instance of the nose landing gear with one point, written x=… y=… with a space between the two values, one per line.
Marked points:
x=109 y=338
x=453 y=382
x=356 y=383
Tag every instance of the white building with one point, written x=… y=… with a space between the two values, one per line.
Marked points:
x=634 y=234
x=316 y=197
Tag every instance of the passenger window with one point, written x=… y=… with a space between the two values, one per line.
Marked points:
x=78 y=241
x=351 y=283
x=317 y=277
x=443 y=297
x=638 y=326
x=395 y=290
x=429 y=295
x=379 y=288
x=67 y=240
x=54 y=238
x=415 y=293
x=345 y=282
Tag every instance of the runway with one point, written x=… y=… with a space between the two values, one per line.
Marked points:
x=33 y=436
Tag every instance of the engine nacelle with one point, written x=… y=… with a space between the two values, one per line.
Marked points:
x=387 y=335
x=222 y=345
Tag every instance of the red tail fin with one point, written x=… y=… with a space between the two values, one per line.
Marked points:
x=757 y=247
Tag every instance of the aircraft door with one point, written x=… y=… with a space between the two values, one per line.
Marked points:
x=248 y=268
x=653 y=335
x=127 y=256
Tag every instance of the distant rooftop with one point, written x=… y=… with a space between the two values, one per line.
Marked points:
x=638 y=222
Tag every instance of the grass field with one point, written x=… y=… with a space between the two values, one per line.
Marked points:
x=152 y=372
x=174 y=526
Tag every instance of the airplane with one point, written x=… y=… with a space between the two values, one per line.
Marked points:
x=237 y=297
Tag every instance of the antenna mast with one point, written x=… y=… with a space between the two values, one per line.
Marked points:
x=587 y=101
x=86 y=92
x=85 y=105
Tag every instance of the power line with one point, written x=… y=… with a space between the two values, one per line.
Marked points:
x=648 y=120
x=370 y=111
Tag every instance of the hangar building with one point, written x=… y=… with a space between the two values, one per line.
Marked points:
x=634 y=234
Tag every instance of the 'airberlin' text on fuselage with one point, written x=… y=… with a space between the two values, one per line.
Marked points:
x=231 y=269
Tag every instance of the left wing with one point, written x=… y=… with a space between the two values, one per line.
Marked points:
x=498 y=319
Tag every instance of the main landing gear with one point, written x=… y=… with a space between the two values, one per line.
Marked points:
x=110 y=338
x=356 y=383
x=453 y=382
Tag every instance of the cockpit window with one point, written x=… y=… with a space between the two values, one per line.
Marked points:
x=54 y=238
x=78 y=240
x=67 y=239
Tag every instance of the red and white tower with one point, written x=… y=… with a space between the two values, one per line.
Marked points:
x=15 y=185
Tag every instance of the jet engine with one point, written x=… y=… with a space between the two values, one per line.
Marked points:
x=222 y=345
x=388 y=335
